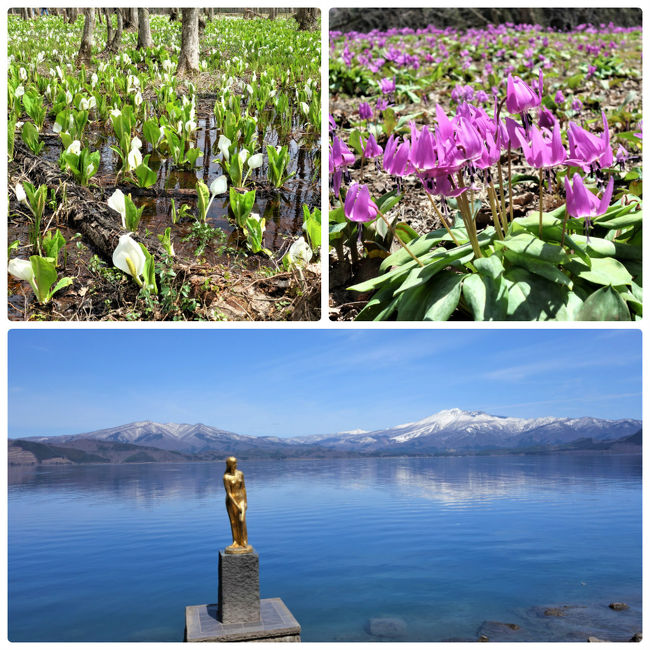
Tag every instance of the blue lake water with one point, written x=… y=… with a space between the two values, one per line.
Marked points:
x=115 y=553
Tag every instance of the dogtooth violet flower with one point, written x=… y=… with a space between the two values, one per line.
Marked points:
x=365 y=111
x=544 y=152
x=587 y=149
x=372 y=149
x=358 y=205
x=583 y=204
x=520 y=97
x=129 y=257
x=387 y=85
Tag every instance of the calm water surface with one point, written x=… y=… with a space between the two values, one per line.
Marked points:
x=115 y=553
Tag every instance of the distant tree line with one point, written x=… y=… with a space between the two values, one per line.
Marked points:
x=193 y=23
x=365 y=20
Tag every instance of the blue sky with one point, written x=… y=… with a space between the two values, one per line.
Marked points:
x=310 y=381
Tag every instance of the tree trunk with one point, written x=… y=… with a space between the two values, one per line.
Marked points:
x=306 y=18
x=188 y=59
x=273 y=13
x=117 y=36
x=144 y=31
x=72 y=14
x=211 y=13
x=87 y=37
x=109 y=29
x=130 y=18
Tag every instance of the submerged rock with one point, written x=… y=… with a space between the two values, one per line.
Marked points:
x=595 y=639
x=637 y=638
x=497 y=631
x=618 y=607
x=388 y=628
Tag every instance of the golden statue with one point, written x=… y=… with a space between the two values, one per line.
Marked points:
x=233 y=481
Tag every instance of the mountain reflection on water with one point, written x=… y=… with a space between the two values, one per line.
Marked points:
x=443 y=544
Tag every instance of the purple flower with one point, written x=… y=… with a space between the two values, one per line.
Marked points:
x=396 y=158
x=581 y=203
x=365 y=112
x=520 y=97
x=544 y=152
x=382 y=105
x=576 y=105
x=359 y=206
x=587 y=149
x=340 y=154
x=387 y=85
x=332 y=124
x=559 y=97
x=372 y=149
x=622 y=154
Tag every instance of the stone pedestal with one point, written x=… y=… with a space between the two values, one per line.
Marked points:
x=276 y=624
x=239 y=588
x=240 y=615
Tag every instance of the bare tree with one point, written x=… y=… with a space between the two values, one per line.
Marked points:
x=188 y=59
x=144 y=31
x=87 y=37
x=72 y=14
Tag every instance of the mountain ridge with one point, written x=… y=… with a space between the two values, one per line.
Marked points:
x=448 y=431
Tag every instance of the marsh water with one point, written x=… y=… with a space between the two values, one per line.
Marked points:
x=282 y=208
x=437 y=545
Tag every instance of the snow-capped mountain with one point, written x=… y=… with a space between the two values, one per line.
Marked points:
x=454 y=429
x=187 y=438
x=448 y=431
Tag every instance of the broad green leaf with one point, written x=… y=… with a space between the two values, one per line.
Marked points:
x=443 y=296
x=604 y=305
x=44 y=275
x=605 y=271
x=539 y=267
x=485 y=291
x=533 y=298
x=527 y=244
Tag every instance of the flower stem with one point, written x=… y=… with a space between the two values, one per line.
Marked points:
x=403 y=244
x=466 y=213
x=541 y=199
x=444 y=221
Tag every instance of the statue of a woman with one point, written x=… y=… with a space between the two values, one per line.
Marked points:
x=233 y=481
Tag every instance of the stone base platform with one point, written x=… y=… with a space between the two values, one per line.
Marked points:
x=277 y=624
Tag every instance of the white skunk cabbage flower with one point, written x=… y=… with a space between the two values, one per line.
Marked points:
x=128 y=257
x=22 y=269
x=305 y=108
x=255 y=161
x=68 y=97
x=19 y=92
x=300 y=251
x=57 y=128
x=87 y=103
x=134 y=158
x=75 y=147
x=20 y=193
x=243 y=156
x=22 y=73
x=218 y=186
x=94 y=79
x=224 y=146
x=117 y=202
x=116 y=112
x=138 y=98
